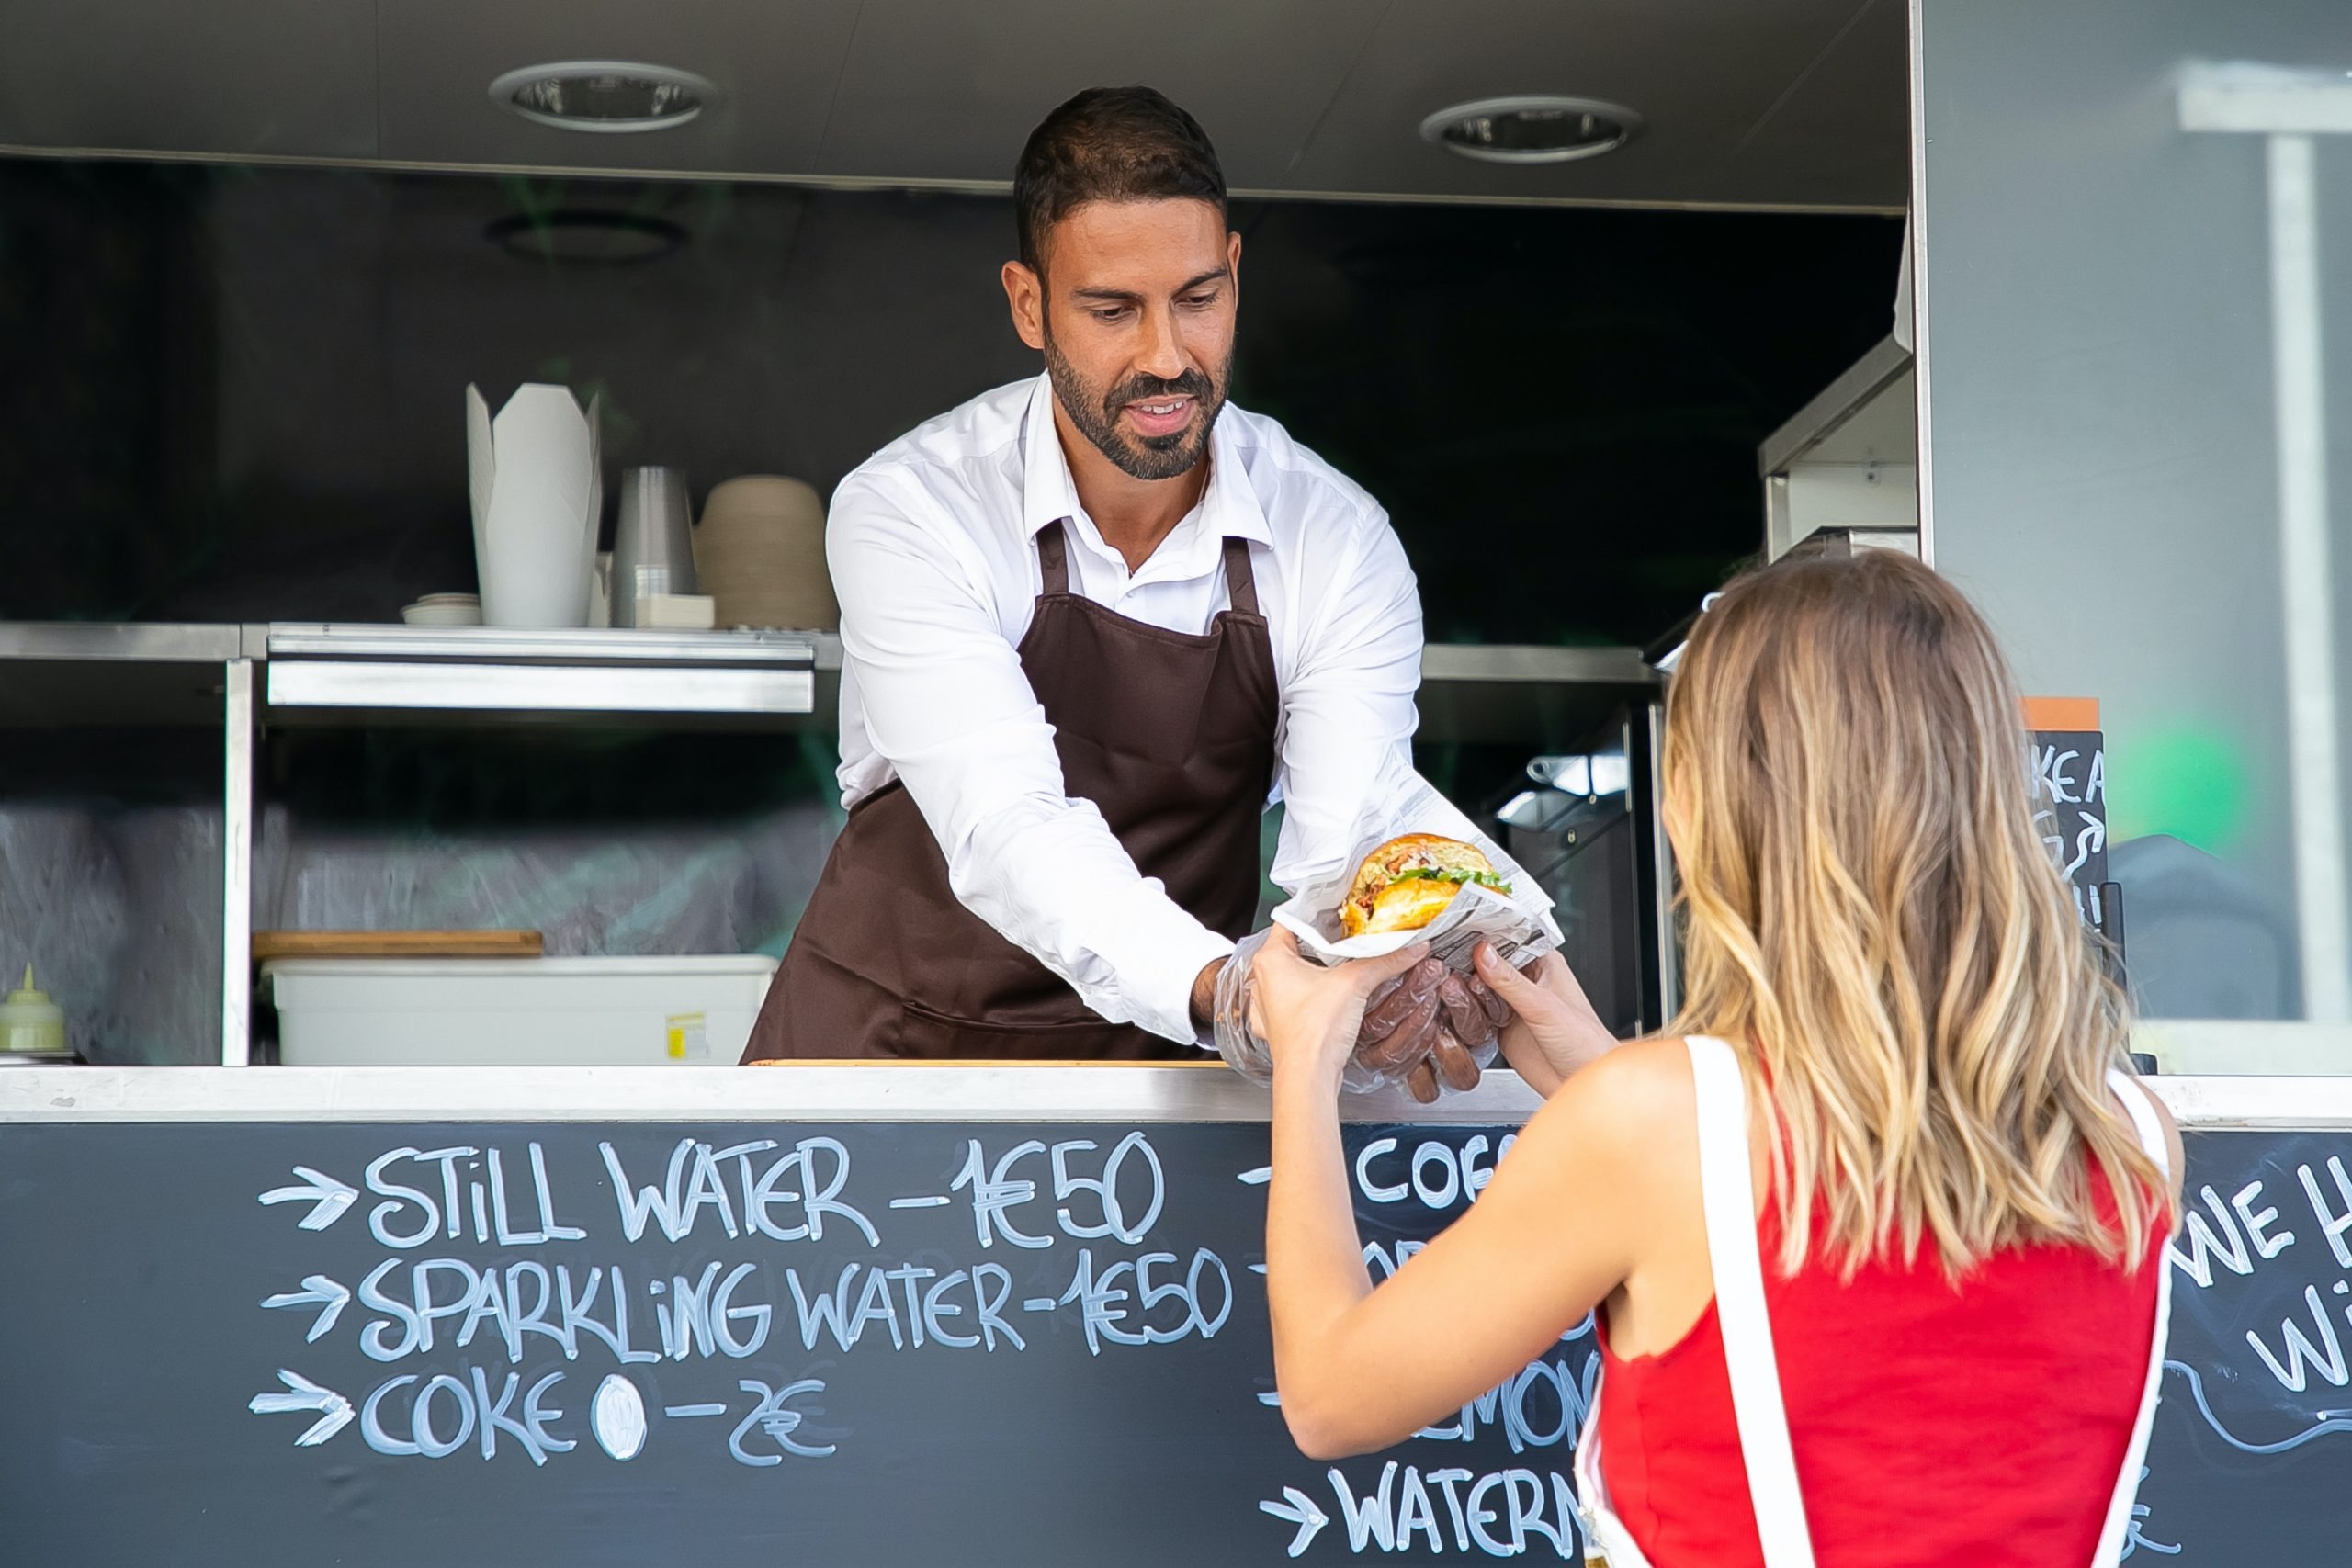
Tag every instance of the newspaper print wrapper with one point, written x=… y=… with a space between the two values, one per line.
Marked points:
x=1519 y=925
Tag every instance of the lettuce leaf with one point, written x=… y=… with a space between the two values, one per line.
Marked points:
x=1436 y=873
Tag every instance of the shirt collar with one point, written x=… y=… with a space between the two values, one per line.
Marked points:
x=1228 y=507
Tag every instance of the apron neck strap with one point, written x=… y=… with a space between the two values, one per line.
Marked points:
x=1240 y=582
x=1240 y=586
x=1053 y=557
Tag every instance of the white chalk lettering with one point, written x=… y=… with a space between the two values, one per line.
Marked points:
x=779 y=1425
x=990 y=1307
x=2302 y=1356
x=1106 y=1187
x=935 y=1307
x=397 y=1198
x=1378 y=1193
x=2265 y=1246
x=2206 y=1248
x=994 y=1191
x=693 y=1184
x=577 y=1310
x=1437 y=1174
x=2331 y=1225
x=907 y=1276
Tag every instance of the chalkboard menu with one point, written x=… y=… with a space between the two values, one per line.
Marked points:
x=2251 y=1465
x=899 y=1345
x=891 y=1343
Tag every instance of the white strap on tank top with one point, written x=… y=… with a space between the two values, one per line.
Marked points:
x=1727 y=1194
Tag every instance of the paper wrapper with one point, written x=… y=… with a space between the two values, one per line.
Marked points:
x=1519 y=925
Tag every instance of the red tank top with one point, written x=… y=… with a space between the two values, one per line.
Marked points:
x=1933 y=1428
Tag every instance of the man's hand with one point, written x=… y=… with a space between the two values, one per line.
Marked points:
x=1400 y=1020
x=1467 y=1017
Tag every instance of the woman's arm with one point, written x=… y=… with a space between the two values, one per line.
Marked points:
x=1554 y=1032
x=1549 y=1239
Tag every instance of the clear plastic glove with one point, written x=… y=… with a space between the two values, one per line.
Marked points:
x=1400 y=1033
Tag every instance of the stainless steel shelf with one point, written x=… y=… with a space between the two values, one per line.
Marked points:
x=305 y=690
x=558 y=645
x=78 y=674
x=351 y=674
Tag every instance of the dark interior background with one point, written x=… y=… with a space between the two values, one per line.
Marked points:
x=235 y=393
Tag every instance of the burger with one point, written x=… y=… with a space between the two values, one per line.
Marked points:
x=1408 y=881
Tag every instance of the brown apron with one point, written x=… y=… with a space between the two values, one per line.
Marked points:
x=1171 y=736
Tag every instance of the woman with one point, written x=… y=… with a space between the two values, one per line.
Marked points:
x=1958 y=1195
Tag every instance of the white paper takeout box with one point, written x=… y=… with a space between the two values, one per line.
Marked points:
x=538 y=491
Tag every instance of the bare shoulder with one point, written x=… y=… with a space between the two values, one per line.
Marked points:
x=1631 y=1106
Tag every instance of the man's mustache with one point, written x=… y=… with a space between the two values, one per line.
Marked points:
x=1149 y=388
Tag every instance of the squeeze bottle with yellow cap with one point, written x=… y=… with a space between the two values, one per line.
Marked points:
x=29 y=1021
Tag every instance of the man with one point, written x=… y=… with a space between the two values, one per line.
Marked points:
x=1091 y=624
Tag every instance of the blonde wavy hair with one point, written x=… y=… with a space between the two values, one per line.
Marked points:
x=1869 y=907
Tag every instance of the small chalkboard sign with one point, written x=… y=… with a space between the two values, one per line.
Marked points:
x=2069 y=761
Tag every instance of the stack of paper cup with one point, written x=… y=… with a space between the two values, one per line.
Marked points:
x=537 y=497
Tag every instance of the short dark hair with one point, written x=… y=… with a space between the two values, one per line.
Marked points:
x=1110 y=144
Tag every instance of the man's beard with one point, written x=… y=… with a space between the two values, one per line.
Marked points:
x=1096 y=413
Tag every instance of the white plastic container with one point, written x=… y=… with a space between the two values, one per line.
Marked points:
x=516 y=1011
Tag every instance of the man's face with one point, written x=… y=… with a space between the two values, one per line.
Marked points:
x=1136 y=321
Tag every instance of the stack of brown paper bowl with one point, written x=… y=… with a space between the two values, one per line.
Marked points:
x=760 y=552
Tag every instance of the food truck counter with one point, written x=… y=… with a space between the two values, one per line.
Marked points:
x=979 y=1313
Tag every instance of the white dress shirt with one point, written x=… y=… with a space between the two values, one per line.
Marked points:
x=932 y=547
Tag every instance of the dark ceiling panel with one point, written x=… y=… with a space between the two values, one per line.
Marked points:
x=292 y=78
x=1700 y=71
x=1842 y=136
x=953 y=90
x=1792 y=102
x=775 y=62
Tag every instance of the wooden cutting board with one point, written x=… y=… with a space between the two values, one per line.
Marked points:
x=397 y=944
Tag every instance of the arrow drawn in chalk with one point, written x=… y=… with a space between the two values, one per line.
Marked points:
x=334 y=1411
x=327 y=1197
x=1297 y=1509
x=317 y=1290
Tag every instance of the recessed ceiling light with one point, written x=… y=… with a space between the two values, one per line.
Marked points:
x=1539 y=128
x=603 y=94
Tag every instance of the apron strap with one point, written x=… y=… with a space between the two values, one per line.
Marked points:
x=1240 y=586
x=1727 y=1193
x=1053 y=557
x=2140 y=1103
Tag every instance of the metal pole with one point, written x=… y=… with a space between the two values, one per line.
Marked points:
x=236 y=862
x=2300 y=392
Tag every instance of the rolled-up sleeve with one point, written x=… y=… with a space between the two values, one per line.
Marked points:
x=1349 y=702
x=945 y=702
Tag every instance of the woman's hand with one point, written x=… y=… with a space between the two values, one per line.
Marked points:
x=1556 y=1032
x=1310 y=1016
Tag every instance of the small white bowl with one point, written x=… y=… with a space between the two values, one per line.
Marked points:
x=443 y=610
